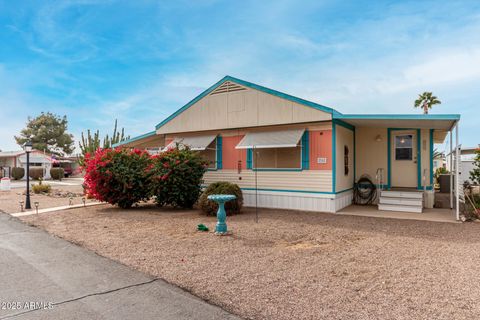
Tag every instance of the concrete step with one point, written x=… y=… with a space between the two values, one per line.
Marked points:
x=401 y=194
x=401 y=208
x=402 y=201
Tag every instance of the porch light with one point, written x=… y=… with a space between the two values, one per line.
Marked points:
x=378 y=138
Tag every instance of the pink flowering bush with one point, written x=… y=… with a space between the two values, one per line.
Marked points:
x=177 y=177
x=118 y=176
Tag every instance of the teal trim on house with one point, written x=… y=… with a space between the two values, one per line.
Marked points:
x=305 y=151
x=431 y=158
x=282 y=95
x=219 y=153
x=145 y=135
x=249 y=158
x=297 y=191
x=349 y=127
x=193 y=101
x=346 y=190
x=304 y=161
x=252 y=86
x=398 y=116
x=354 y=154
x=419 y=158
x=389 y=156
x=334 y=156
x=344 y=124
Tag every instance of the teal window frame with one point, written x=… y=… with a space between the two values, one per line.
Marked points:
x=304 y=157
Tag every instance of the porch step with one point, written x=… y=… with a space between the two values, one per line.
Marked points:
x=404 y=201
x=401 y=201
x=402 y=208
x=401 y=194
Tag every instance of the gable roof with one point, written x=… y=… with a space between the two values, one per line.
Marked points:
x=252 y=86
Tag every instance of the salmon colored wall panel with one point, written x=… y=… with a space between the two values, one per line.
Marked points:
x=230 y=155
x=320 y=147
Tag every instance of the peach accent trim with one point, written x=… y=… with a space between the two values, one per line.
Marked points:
x=320 y=147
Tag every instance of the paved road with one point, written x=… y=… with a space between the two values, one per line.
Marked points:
x=74 y=283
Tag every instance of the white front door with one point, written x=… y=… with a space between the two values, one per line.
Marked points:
x=404 y=158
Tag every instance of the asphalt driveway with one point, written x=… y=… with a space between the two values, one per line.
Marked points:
x=43 y=277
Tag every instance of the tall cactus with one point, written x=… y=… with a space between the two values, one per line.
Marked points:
x=91 y=143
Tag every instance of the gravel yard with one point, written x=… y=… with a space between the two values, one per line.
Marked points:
x=59 y=196
x=292 y=265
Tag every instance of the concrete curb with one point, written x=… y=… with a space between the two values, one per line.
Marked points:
x=46 y=210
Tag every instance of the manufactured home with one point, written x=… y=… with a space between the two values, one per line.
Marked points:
x=287 y=152
x=12 y=159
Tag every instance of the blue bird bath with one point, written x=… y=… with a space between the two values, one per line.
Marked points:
x=221 y=227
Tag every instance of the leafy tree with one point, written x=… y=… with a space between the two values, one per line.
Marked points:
x=426 y=101
x=47 y=132
x=475 y=173
x=91 y=143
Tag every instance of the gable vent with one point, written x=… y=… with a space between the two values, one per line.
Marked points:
x=228 y=86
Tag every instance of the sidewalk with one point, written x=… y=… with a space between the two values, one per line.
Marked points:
x=75 y=283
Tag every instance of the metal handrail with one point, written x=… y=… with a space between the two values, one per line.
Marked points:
x=379 y=178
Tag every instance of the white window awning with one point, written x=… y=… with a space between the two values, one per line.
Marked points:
x=196 y=143
x=271 y=139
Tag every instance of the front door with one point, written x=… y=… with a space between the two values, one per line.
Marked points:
x=404 y=159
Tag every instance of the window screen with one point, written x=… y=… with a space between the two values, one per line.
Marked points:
x=404 y=147
x=210 y=154
x=278 y=158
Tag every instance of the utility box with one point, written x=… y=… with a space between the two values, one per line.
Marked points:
x=5 y=184
x=429 y=199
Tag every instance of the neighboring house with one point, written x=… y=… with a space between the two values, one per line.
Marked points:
x=467 y=157
x=303 y=155
x=12 y=159
x=439 y=163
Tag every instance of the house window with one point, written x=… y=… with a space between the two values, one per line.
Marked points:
x=210 y=154
x=404 y=147
x=278 y=158
x=35 y=164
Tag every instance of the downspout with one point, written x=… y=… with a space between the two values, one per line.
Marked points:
x=451 y=168
x=457 y=182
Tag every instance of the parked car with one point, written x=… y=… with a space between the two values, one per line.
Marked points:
x=67 y=171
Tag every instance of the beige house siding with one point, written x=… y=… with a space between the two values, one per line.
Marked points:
x=370 y=153
x=307 y=180
x=240 y=109
x=344 y=137
x=425 y=154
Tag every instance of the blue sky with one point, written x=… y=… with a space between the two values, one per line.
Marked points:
x=139 y=61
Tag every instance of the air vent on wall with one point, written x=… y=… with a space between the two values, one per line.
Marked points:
x=228 y=86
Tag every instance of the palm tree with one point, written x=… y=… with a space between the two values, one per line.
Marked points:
x=426 y=100
x=437 y=154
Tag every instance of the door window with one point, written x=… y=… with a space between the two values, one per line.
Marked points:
x=404 y=147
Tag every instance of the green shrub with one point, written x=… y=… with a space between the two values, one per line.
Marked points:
x=231 y=207
x=118 y=176
x=177 y=177
x=36 y=173
x=18 y=173
x=41 y=188
x=57 y=173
